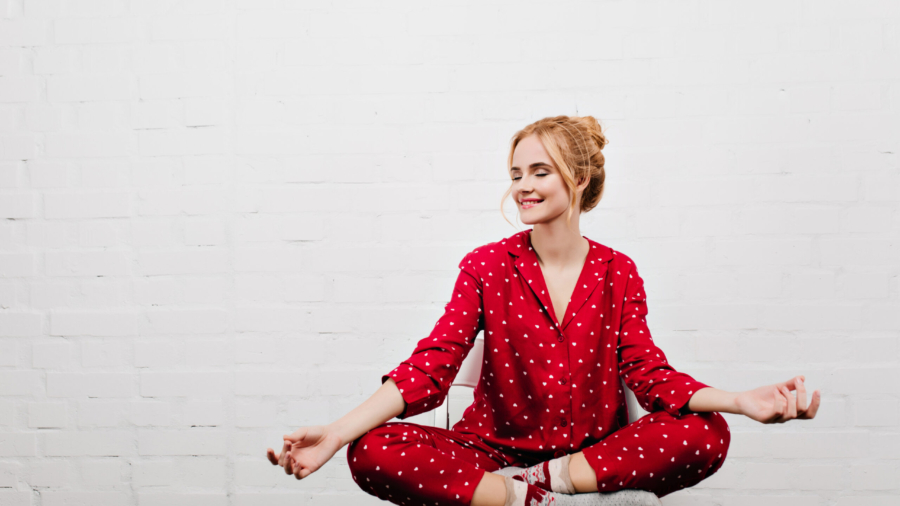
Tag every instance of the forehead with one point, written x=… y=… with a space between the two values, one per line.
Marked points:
x=528 y=151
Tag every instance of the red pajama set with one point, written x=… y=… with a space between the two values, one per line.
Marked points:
x=547 y=388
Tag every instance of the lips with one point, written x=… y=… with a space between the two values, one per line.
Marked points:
x=530 y=203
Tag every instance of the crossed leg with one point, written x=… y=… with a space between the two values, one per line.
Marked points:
x=411 y=464
x=658 y=452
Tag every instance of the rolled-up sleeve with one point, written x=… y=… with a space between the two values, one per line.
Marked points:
x=642 y=365
x=425 y=377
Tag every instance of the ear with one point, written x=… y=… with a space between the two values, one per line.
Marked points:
x=582 y=183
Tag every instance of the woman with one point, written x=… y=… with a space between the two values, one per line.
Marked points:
x=563 y=320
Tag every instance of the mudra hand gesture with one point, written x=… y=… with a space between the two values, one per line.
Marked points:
x=776 y=404
x=306 y=450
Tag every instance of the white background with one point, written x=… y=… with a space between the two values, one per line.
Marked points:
x=223 y=220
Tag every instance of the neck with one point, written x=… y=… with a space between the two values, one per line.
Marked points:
x=557 y=246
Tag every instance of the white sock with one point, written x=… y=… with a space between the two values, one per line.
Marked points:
x=551 y=475
x=515 y=492
x=560 y=480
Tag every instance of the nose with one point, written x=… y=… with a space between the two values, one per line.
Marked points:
x=524 y=182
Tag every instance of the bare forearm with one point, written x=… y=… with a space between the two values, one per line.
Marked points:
x=384 y=404
x=712 y=399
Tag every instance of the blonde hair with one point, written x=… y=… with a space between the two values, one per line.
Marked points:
x=574 y=143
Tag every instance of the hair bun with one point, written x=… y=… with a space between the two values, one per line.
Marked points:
x=593 y=126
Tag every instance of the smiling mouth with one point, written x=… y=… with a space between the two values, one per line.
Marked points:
x=529 y=204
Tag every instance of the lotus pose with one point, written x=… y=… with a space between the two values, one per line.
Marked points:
x=564 y=323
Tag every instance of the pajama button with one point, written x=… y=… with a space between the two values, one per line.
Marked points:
x=558 y=454
x=560 y=338
x=563 y=422
x=562 y=381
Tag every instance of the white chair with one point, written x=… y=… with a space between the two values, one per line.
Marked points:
x=470 y=371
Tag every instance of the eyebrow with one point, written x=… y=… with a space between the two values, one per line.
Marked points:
x=533 y=165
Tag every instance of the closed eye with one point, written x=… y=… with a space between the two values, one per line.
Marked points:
x=539 y=175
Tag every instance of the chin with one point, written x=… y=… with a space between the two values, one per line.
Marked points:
x=543 y=217
x=533 y=220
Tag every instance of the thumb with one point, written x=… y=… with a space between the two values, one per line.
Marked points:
x=296 y=437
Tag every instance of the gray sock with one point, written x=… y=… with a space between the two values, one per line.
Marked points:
x=509 y=471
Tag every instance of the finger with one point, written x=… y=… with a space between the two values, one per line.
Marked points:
x=771 y=413
x=791 y=383
x=288 y=465
x=792 y=405
x=285 y=453
x=801 y=397
x=270 y=454
x=779 y=405
x=813 y=405
x=785 y=405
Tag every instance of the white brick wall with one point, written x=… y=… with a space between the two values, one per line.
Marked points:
x=223 y=220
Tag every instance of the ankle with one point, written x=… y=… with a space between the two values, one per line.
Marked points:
x=511 y=490
x=581 y=474
x=565 y=474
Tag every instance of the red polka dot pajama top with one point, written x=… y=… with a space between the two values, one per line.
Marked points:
x=551 y=388
x=544 y=384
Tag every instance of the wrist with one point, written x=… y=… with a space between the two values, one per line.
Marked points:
x=726 y=402
x=339 y=432
x=737 y=404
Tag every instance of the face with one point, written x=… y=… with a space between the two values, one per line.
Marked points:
x=538 y=188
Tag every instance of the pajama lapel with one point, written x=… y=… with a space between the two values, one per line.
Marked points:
x=527 y=265
x=592 y=273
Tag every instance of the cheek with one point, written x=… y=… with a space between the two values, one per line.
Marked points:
x=557 y=189
x=557 y=198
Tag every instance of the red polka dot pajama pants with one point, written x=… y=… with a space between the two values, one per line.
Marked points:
x=413 y=465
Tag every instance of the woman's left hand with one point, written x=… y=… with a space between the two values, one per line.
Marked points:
x=776 y=404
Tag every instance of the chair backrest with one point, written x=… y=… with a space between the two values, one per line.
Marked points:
x=635 y=410
x=470 y=372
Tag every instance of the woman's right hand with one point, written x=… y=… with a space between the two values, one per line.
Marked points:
x=306 y=450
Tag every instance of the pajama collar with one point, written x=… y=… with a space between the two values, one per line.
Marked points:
x=525 y=260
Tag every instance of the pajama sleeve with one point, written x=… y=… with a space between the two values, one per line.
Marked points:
x=425 y=377
x=642 y=365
